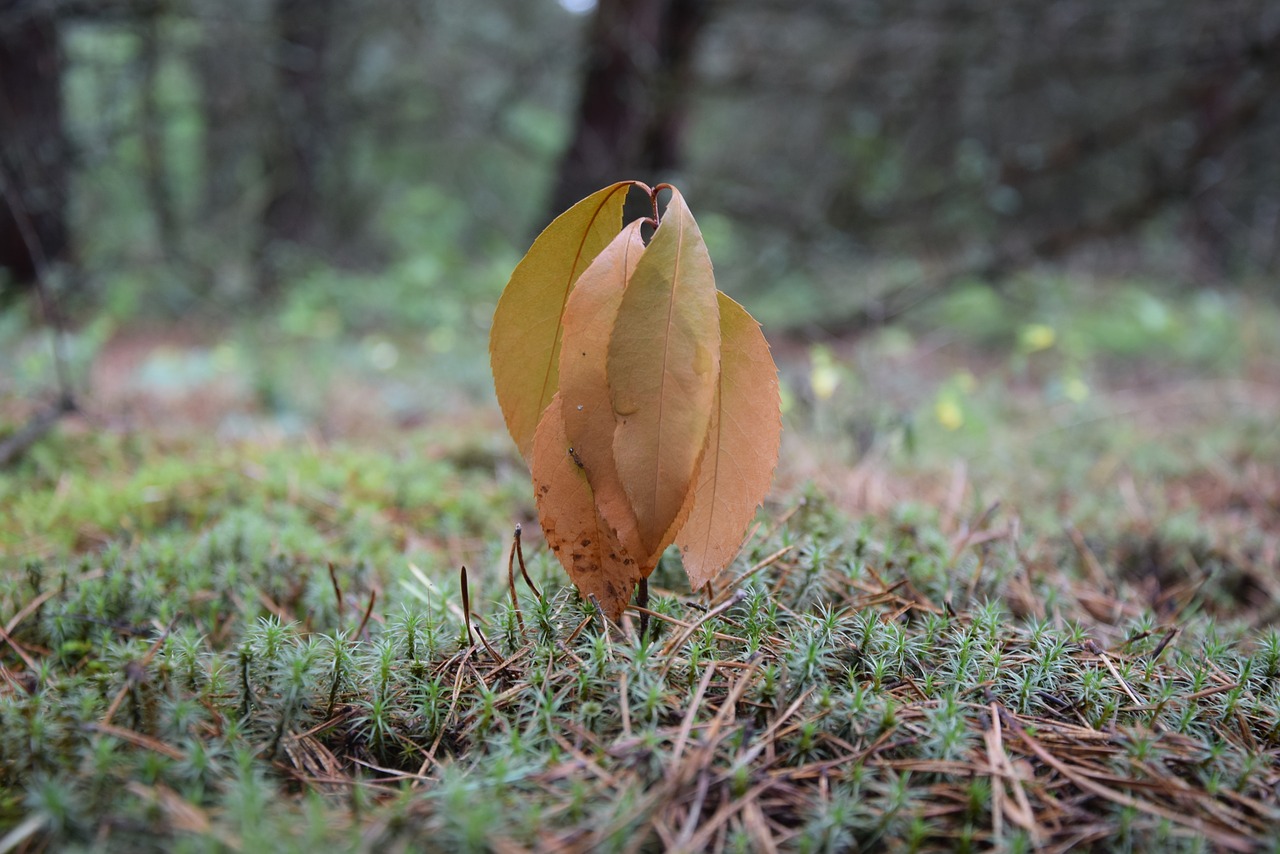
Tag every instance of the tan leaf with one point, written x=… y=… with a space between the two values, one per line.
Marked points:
x=584 y=542
x=524 y=343
x=663 y=365
x=742 y=448
x=584 y=389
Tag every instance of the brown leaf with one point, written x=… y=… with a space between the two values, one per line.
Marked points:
x=584 y=389
x=663 y=364
x=584 y=542
x=524 y=344
x=742 y=448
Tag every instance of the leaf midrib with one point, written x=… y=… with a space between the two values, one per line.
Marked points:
x=666 y=348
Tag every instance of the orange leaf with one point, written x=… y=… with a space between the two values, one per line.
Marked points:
x=584 y=543
x=663 y=364
x=524 y=344
x=584 y=388
x=742 y=448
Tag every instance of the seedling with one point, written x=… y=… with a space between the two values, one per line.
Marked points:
x=644 y=400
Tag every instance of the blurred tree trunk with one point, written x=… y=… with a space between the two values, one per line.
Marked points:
x=223 y=66
x=151 y=120
x=632 y=106
x=1208 y=221
x=300 y=122
x=229 y=64
x=33 y=148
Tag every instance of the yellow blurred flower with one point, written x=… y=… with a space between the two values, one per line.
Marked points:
x=824 y=376
x=1075 y=390
x=949 y=413
x=1037 y=336
x=824 y=381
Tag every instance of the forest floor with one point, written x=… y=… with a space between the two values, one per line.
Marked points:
x=1017 y=586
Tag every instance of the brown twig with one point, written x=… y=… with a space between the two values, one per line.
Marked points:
x=511 y=580
x=337 y=592
x=466 y=611
x=523 y=571
x=373 y=597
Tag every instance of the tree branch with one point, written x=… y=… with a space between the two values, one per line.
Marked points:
x=16 y=445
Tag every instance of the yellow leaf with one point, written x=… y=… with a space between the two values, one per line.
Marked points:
x=524 y=343
x=584 y=388
x=584 y=543
x=663 y=366
x=742 y=448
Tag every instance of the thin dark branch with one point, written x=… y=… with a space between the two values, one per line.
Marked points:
x=16 y=445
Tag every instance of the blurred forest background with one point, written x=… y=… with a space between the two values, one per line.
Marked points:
x=377 y=168
x=1017 y=585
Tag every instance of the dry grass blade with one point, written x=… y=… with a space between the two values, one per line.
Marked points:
x=679 y=640
x=1003 y=773
x=134 y=673
x=1227 y=838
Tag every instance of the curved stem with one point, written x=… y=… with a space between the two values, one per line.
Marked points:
x=653 y=195
x=642 y=599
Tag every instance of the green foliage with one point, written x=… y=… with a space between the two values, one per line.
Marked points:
x=1057 y=323
x=28 y=363
x=195 y=679
x=433 y=285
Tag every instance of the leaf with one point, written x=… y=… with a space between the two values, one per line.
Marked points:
x=742 y=448
x=524 y=344
x=584 y=389
x=580 y=538
x=663 y=364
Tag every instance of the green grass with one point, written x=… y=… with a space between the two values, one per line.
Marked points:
x=247 y=636
x=181 y=674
